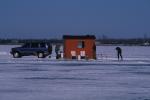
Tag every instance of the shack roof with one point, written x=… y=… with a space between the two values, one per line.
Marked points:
x=79 y=37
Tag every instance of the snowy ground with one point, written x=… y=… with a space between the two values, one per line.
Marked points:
x=30 y=78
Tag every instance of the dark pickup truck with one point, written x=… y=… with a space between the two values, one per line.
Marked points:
x=41 y=50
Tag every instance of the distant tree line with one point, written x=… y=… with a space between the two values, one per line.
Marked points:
x=22 y=41
x=130 y=42
x=106 y=41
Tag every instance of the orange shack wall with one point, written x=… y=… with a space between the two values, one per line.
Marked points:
x=71 y=45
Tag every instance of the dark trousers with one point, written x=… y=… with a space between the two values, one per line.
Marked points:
x=120 y=56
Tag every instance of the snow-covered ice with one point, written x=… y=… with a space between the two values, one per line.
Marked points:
x=30 y=78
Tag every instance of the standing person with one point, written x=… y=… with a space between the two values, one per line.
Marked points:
x=57 y=49
x=119 y=53
x=50 y=49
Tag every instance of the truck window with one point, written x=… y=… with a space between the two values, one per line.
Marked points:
x=27 y=45
x=42 y=45
x=35 y=45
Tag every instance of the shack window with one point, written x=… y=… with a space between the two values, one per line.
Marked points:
x=81 y=44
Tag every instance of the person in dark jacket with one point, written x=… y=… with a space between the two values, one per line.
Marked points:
x=119 y=53
x=57 y=49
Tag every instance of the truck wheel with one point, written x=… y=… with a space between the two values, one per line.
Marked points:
x=40 y=55
x=16 y=55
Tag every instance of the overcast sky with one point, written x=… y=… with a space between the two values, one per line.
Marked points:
x=54 y=18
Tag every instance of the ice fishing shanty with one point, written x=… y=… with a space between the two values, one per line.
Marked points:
x=79 y=47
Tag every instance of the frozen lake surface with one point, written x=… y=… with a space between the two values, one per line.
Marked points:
x=30 y=78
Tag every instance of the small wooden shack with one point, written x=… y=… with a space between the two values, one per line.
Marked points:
x=79 y=47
